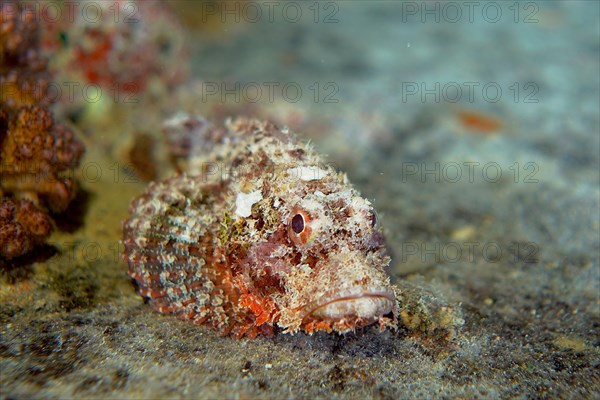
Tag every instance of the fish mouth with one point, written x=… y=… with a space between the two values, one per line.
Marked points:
x=366 y=304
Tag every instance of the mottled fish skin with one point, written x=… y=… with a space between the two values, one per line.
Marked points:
x=260 y=234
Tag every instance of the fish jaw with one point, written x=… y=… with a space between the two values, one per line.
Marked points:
x=350 y=309
x=362 y=305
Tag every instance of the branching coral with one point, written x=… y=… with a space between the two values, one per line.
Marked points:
x=34 y=153
x=22 y=227
x=23 y=74
x=35 y=150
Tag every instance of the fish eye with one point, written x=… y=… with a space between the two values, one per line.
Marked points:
x=299 y=229
x=298 y=223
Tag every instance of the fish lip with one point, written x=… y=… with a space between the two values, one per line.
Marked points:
x=349 y=294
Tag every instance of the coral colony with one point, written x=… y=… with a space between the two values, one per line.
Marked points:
x=36 y=151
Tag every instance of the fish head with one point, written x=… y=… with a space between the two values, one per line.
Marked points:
x=331 y=264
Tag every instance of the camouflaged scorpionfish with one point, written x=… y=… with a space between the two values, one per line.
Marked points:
x=257 y=235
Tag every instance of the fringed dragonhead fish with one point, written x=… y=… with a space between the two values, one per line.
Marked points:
x=257 y=236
